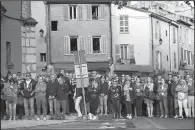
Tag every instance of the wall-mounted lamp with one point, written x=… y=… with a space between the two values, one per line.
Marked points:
x=160 y=41
x=41 y=32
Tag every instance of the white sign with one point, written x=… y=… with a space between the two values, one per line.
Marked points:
x=84 y=71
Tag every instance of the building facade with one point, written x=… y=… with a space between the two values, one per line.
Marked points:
x=11 y=56
x=79 y=27
x=39 y=13
x=28 y=42
x=131 y=40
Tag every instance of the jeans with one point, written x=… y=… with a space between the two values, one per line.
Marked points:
x=94 y=105
x=26 y=103
x=139 y=102
x=52 y=106
x=170 y=103
x=104 y=104
x=183 y=104
x=157 y=107
x=67 y=106
x=41 y=102
x=176 y=112
x=163 y=106
x=59 y=104
x=20 y=110
x=128 y=105
x=191 y=106
x=12 y=110
x=115 y=104
x=7 y=107
x=77 y=106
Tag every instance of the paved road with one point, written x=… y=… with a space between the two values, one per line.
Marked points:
x=138 y=124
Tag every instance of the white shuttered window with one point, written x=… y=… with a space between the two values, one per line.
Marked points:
x=66 y=41
x=124 y=24
x=103 y=44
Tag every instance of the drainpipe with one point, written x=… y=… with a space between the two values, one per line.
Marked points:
x=110 y=26
x=49 y=35
x=170 y=59
x=152 y=43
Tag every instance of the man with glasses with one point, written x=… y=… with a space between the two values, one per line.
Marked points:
x=156 y=101
x=28 y=92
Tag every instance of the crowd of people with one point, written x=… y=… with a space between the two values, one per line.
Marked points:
x=124 y=96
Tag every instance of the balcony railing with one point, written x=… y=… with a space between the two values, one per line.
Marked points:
x=126 y=61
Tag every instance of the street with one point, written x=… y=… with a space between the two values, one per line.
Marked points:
x=140 y=124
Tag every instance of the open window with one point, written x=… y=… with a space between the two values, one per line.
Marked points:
x=95 y=13
x=96 y=45
x=73 y=44
x=54 y=25
x=43 y=57
x=73 y=11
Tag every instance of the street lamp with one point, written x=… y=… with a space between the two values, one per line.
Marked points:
x=41 y=32
x=160 y=41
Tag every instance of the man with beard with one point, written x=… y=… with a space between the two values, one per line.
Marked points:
x=170 y=97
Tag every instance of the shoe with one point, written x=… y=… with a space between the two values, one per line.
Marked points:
x=161 y=116
x=94 y=117
x=38 y=119
x=166 y=116
x=14 y=118
x=44 y=118
x=176 y=116
x=180 y=117
x=130 y=117
x=90 y=116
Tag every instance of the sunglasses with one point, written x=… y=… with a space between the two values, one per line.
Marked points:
x=27 y=75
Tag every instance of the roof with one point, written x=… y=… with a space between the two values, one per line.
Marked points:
x=3 y=9
x=79 y=2
x=138 y=9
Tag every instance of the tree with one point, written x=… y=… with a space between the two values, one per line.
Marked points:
x=188 y=3
x=120 y=4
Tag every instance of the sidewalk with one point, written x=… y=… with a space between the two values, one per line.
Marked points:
x=5 y=124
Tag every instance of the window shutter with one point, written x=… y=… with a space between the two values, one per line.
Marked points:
x=160 y=60
x=174 y=38
x=102 y=12
x=81 y=44
x=157 y=63
x=159 y=30
x=80 y=12
x=104 y=44
x=131 y=51
x=66 y=45
x=66 y=12
x=89 y=47
x=117 y=49
x=89 y=12
x=156 y=30
x=181 y=53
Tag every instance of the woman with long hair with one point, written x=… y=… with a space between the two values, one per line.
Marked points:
x=114 y=95
x=129 y=98
x=149 y=96
x=138 y=96
x=103 y=95
x=93 y=90
x=190 y=97
x=182 y=90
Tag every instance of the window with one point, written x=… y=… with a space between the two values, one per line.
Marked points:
x=8 y=52
x=166 y=32
x=43 y=57
x=73 y=44
x=175 y=61
x=73 y=11
x=96 y=45
x=156 y=30
x=95 y=14
x=185 y=55
x=124 y=52
x=54 y=25
x=158 y=60
x=182 y=54
x=167 y=58
x=188 y=57
x=174 y=35
x=193 y=59
x=186 y=37
x=159 y=27
x=124 y=24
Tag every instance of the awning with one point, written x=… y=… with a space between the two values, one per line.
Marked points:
x=68 y=67
x=133 y=68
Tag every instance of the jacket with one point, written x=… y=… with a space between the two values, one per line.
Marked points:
x=169 y=83
x=182 y=92
x=138 y=90
x=51 y=88
x=10 y=91
x=93 y=92
x=40 y=90
x=191 y=89
x=129 y=92
x=104 y=88
x=173 y=87
x=114 y=93
x=162 y=91
x=30 y=90
x=62 y=91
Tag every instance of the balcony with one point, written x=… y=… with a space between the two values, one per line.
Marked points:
x=185 y=66
x=125 y=61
